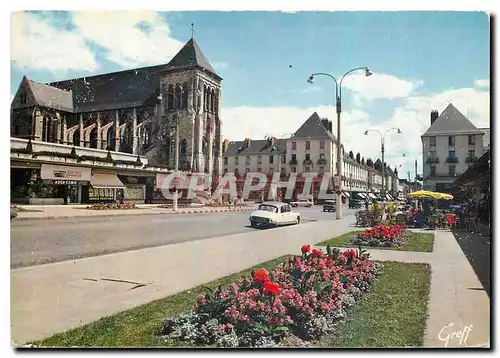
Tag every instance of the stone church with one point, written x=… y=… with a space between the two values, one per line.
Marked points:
x=135 y=111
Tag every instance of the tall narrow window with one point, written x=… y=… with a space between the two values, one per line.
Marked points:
x=322 y=144
x=432 y=141
x=184 y=143
x=185 y=95
x=472 y=140
x=308 y=145
x=451 y=141
x=178 y=96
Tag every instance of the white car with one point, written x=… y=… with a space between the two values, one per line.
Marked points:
x=272 y=213
x=302 y=202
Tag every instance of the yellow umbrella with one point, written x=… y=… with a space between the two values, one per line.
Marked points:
x=444 y=196
x=423 y=194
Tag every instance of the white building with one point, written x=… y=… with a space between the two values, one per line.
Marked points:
x=450 y=146
x=311 y=149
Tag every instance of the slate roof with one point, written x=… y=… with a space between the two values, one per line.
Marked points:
x=189 y=56
x=451 y=121
x=51 y=97
x=117 y=90
x=313 y=128
x=256 y=147
x=123 y=89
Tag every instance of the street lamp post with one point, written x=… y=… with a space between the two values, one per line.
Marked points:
x=338 y=102
x=382 y=146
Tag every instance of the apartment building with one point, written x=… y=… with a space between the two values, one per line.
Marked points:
x=311 y=149
x=450 y=146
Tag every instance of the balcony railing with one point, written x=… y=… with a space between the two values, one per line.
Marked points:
x=470 y=159
x=321 y=161
x=452 y=159
x=293 y=162
x=433 y=160
x=307 y=161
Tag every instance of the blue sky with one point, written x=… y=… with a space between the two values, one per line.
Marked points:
x=420 y=61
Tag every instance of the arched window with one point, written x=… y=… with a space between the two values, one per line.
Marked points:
x=93 y=138
x=205 y=98
x=76 y=138
x=212 y=101
x=110 y=137
x=170 y=97
x=178 y=96
x=183 y=145
x=185 y=95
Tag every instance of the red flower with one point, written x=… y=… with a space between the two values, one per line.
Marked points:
x=317 y=252
x=305 y=249
x=271 y=288
x=260 y=276
x=350 y=253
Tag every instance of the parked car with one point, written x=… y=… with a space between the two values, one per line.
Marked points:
x=302 y=202
x=329 y=205
x=272 y=214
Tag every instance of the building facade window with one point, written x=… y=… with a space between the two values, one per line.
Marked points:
x=451 y=141
x=271 y=159
x=236 y=160
x=259 y=160
x=247 y=160
x=294 y=158
x=321 y=144
x=308 y=156
x=472 y=153
x=432 y=141
x=451 y=153
x=452 y=170
x=308 y=145
x=294 y=169
x=472 y=140
x=307 y=169
x=225 y=160
x=283 y=159
x=294 y=145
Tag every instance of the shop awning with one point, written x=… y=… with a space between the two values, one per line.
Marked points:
x=388 y=196
x=373 y=196
x=106 y=180
x=63 y=172
x=362 y=195
x=346 y=194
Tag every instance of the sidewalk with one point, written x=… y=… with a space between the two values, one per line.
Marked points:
x=53 y=298
x=72 y=211
x=56 y=297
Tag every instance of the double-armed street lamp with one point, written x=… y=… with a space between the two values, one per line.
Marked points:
x=338 y=102
x=382 y=147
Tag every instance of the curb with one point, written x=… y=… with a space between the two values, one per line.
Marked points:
x=135 y=214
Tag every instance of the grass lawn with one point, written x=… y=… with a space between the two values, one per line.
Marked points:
x=421 y=242
x=392 y=314
x=137 y=327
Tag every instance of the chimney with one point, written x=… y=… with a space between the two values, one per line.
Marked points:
x=330 y=126
x=271 y=141
x=247 y=142
x=225 y=145
x=434 y=115
x=324 y=121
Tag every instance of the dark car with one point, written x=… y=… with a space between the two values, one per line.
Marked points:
x=329 y=205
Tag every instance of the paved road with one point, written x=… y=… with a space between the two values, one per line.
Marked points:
x=35 y=242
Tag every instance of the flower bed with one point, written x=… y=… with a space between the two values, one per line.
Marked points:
x=170 y=206
x=124 y=206
x=300 y=301
x=382 y=236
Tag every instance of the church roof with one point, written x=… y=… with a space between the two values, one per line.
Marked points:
x=190 y=56
x=51 y=97
x=119 y=90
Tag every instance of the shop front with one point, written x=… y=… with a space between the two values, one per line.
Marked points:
x=135 y=188
x=104 y=188
x=64 y=183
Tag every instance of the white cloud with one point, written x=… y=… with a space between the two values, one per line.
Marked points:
x=36 y=45
x=413 y=118
x=379 y=85
x=220 y=65
x=310 y=89
x=482 y=82
x=126 y=44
